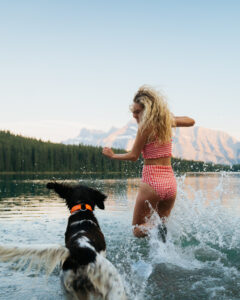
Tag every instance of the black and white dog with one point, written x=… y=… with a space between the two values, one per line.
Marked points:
x=86 y=273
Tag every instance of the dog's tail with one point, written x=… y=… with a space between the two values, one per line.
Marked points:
x=47 y=256
x=106 y=279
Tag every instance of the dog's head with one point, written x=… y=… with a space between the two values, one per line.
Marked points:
x=78 y=194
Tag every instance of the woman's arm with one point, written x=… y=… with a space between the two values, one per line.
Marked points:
x=132 y=155
x=183 y=122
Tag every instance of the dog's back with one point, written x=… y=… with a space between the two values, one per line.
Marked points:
x=85 y=241
x=84 y=237
x=86 y=271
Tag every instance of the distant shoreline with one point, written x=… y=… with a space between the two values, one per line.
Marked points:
x=102 y=173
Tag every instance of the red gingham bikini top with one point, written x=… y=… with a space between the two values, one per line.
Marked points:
x=156 y=150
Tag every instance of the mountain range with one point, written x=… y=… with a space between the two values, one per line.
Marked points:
x=192 y=143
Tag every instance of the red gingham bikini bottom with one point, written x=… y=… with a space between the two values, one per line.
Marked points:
x=161 y=179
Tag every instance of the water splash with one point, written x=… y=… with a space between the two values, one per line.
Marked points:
x=200 y=259
x=201 y=252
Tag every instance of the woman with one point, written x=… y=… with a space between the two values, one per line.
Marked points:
x=158 y=186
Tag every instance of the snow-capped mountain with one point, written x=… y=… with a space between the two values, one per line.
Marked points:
x=90 y=137
x=196 y=143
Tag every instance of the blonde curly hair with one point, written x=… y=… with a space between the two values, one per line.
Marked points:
x=156 y=118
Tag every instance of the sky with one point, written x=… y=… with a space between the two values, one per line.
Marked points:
x=67 y=64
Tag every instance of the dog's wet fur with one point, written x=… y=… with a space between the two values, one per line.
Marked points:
x=83 y=236
x=86 y=271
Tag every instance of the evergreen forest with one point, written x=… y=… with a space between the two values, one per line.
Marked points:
x=21 y=154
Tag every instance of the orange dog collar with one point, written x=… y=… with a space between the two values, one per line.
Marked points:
x=81 y=207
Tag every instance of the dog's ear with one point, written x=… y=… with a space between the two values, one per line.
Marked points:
x=99 y=198
x=64 y=191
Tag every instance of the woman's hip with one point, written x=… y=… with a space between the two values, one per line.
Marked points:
x=161 y=179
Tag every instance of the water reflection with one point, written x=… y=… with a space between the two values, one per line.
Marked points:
x=211 y=186
x=26 y=196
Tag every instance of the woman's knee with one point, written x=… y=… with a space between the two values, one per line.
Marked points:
x=136 y=231
x=141 y=230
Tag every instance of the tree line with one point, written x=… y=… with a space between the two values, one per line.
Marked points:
x=21 y=154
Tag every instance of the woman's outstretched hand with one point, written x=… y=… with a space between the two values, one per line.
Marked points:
x=108 y=152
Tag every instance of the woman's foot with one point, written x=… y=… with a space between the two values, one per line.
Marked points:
x=162 y=232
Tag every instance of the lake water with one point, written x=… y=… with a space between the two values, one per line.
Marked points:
x=201 y=259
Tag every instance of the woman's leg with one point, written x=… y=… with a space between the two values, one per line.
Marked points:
x=142 y=210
